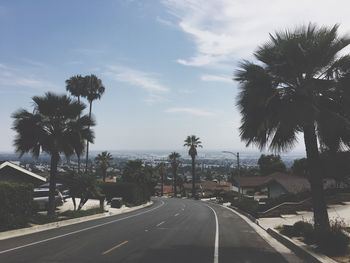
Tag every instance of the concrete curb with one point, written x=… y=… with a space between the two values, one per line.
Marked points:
x=297 y=247
x=58 y=224
x=300 y=249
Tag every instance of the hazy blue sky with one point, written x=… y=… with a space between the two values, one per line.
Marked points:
x=167 y=65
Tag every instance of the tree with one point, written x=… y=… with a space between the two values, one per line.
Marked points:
x=54 y=128
x=143 y=175
x=161 y=171
x=174 y=162
x=299 y=167
x=300 y=85
x=75 y=86
x=103 y=161
x=193 y=142
x=269 y=164
x=94 y=90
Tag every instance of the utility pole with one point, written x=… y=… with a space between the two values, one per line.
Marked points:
x=237 y=156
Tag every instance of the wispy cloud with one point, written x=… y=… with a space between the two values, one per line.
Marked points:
x=141 y=79
x=190 y=111
x=226 y=30
x=147 y=81
x=13 y=77
x=217 y=78
x=167 y=23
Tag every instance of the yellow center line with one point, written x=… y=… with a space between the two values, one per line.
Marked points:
x=115 y=247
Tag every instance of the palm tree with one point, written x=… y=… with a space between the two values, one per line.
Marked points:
x=174 y=161
x=300 y=85
x=161 y=170
x=75 y=86
x=193 y=142
x=103 y=161
x=53 y=128
x=94 y=89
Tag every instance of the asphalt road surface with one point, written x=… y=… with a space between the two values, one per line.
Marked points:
x=172 y=230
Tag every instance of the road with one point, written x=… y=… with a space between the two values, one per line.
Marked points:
x=172 y=230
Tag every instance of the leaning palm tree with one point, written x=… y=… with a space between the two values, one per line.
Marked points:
x=94 y=89
x=174 y=161
x=75 y=86
x=300 y=85
x=193 y=142
x=54 y=128
x=103 y=161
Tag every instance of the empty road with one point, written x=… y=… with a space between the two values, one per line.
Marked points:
x=172 y=230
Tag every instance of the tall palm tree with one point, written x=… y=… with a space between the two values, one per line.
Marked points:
x=75 y=86
x=174 y=161
x=94 y=89
x=300 y=85
x=193 y=142
x=161 y=170
x=103 y=161
x=54 y=128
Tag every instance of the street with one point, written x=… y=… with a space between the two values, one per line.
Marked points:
x=172 y=230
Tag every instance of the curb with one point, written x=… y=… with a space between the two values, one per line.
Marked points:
x=300 y=249
x=295 y=246
x=58 y=224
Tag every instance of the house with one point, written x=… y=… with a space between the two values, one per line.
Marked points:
x=11 y=172
x=271 y=186
x=207 y=188
x=167 y=189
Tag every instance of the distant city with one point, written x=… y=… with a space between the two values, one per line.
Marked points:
x=248 y=159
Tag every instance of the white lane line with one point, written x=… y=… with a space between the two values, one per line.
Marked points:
x=176 y=214
x=115 y=247
x=80 y=230
x=216 y=249
x=161 y=223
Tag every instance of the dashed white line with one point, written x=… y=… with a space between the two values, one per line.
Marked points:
x=161 y=223
x=115 y=247
x=80 y=230
x=176 y=214
x=216 y=243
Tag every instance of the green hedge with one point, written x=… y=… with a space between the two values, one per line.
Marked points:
x=16 y=203
x=248 y=205
x=131 y=193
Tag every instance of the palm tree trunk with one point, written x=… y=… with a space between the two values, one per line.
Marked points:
x=52 y=185
x=104 y=175
x=321 y=219
x=175 y=189
x=78 y=154
x=162 y=183
x=193 y=177
x=87 y=142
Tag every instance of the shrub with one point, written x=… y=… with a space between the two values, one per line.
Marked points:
x=131 y=193
x=16 y=202
x=333 y=242
x=248 y=205
x=300 y=229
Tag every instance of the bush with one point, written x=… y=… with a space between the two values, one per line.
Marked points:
x=248 y=205
x=333 y=242
x=16 y=203
x=300 y=229
x=131 y=193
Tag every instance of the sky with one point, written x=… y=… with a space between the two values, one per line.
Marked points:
x=167 y=65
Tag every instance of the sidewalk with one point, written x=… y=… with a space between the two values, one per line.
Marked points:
x=65 y=207
x=339 y=212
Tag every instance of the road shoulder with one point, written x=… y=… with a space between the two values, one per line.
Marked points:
x=285 y=252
